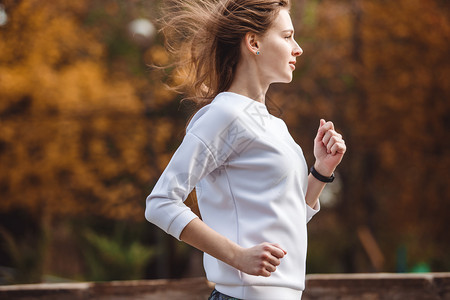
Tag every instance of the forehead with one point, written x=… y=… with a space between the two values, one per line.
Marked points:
x=282 y=21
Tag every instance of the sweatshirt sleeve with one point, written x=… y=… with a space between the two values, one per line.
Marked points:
x=310 y=212
x=164 y=206
x=204 y=148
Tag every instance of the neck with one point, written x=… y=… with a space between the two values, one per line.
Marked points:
x=247 y=82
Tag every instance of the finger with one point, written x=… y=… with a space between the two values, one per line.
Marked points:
x=320 y=133
x=326 y=138
x=323 y=130
x=278 y=246
x=327 y=126
x=339 y=147
x=269 y=267
x=334 y=138
x=276 y=250
x=267 y=258
x=264 y=272
x=274 y=261
x=331 y=124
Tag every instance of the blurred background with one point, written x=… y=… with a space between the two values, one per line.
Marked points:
x=87 y=126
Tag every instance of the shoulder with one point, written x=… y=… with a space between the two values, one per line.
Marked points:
x=222 y=126
x=219 y=114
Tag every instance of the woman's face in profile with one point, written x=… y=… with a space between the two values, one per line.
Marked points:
x=279 y=50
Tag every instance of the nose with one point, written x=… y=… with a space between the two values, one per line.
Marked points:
x=297 y=51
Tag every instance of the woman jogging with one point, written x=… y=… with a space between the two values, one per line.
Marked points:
x=251 y=179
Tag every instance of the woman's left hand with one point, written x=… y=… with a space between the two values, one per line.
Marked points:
x=329 y=148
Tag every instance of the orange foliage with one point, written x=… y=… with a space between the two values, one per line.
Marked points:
x=379 y=70
x=73 y=139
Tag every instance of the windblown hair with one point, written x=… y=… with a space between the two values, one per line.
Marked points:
x=204 y=37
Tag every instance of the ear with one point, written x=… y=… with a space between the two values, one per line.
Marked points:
x=251 y=41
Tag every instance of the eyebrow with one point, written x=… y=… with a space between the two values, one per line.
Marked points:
x=289 y=30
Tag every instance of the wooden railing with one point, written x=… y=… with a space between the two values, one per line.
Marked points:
x=377 y=286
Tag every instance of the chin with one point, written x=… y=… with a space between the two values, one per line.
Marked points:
x=286 y=78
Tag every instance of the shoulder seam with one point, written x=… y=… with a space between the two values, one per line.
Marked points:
x=206 y=146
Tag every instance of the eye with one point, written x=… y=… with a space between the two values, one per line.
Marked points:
x=288 y=37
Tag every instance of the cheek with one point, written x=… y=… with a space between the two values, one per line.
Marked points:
x=277 y=54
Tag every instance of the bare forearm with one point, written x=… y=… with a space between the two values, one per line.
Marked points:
x=202 y=237
x=315 y=188
x=260 y=259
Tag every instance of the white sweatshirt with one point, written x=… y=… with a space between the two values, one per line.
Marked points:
x=251 y=178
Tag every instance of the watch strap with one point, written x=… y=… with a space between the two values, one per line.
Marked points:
x=320 y=177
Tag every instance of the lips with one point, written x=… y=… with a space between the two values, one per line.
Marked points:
x=292 y=65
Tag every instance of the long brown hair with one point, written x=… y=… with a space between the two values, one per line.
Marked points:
x=204 y=37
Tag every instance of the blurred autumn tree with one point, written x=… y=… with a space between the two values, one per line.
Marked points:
x=380 y=70
x=80 y=133
x=72 y=134
x=86 y=129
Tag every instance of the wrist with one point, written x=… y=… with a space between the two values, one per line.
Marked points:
x=324 y=171
x=320 y=177
x=235 y=254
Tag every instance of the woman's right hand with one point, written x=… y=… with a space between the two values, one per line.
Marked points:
x=260 y=260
